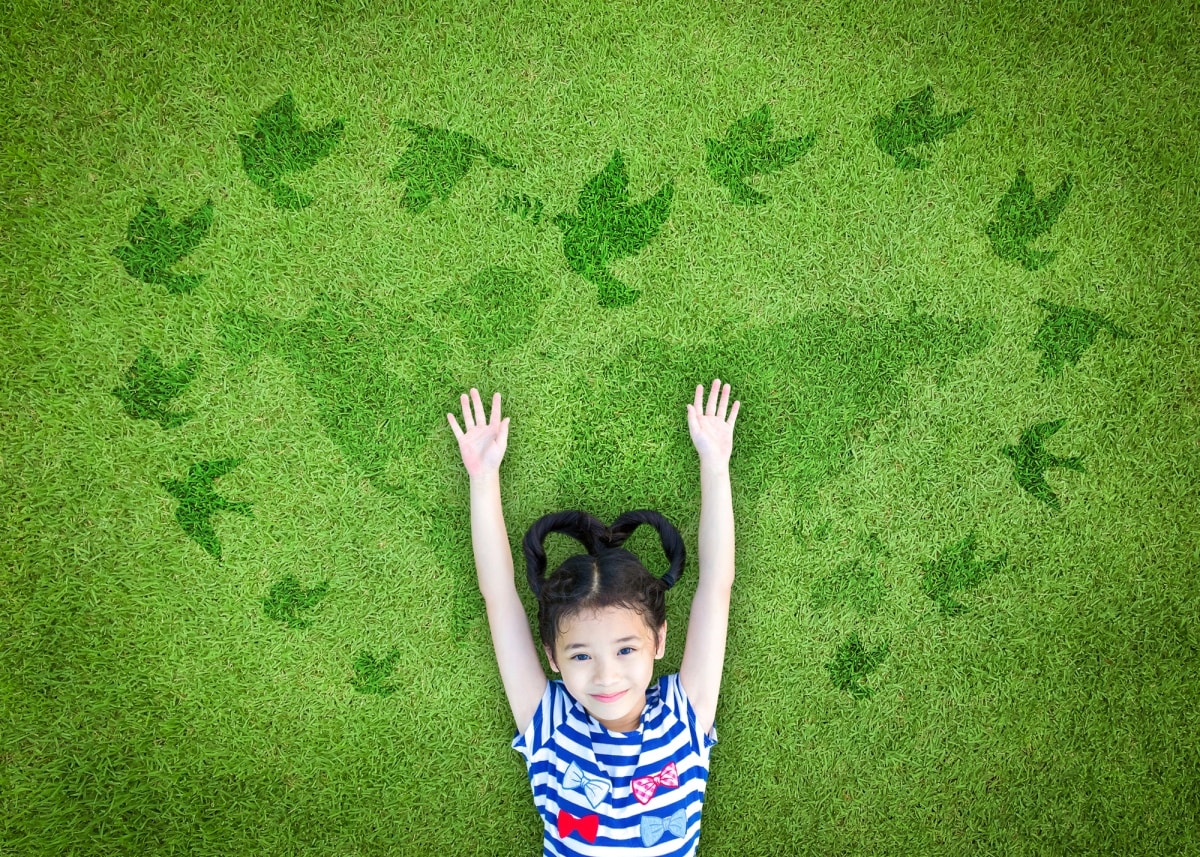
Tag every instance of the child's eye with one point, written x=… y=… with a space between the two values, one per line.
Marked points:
x=628 y=648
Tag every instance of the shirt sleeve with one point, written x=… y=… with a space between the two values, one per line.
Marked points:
x=549 y=714
x=678 y=700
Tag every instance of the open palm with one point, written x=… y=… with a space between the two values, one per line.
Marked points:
x=711 y=433
x=483 y=443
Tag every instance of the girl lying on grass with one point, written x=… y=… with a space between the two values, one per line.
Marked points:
x=617 y=764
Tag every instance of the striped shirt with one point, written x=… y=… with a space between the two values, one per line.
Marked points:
x=601 y=792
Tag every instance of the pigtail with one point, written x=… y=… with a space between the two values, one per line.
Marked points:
x=597 y=537
x=585 y=528
x=672 y=542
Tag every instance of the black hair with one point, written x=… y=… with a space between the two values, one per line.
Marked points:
x=607 y=575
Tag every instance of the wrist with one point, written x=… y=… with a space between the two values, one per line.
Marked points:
x=485 y=477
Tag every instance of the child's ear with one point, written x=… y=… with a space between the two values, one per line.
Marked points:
x=550 y=657
x=662 y=641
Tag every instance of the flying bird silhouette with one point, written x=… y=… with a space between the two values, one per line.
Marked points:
x=1020 y=218
x=1066 y=333
x=287 y=598
x=748 y=151
x=911 y=123
x=852 y=663
x=371 y=672
x=1031 y=460
x=958 y=570
x=608 y=227
x=149 y=387
x=281 y=145
x=157 y=243
x=198 y=501
x=436 y=162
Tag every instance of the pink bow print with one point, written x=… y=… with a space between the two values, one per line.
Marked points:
x=644 y=787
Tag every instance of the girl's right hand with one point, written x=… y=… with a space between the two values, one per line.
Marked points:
x=483 y=443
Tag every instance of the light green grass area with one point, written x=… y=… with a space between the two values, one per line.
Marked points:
x=945 y=254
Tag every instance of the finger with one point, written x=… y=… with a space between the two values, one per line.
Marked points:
x=724 y=402
x=454 y=425
x=699 y=403
x=480 y=413
x=468 y=419
x=711 y=410
x=737 y=406
x=495 y=409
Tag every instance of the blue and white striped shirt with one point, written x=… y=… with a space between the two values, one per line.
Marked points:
x=601 y=792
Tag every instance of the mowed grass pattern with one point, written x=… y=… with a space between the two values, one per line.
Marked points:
x=945 y=256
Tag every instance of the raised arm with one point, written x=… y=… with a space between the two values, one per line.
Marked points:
x=520 y=670
x=482 y=446
x=704 y=651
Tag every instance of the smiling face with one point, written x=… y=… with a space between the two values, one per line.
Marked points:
x=606 y=659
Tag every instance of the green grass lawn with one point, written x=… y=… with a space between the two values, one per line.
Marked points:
x=945 y=255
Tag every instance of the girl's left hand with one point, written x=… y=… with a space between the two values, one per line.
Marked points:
x=711 y=433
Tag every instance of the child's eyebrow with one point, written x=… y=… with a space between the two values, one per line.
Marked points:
x=584 y=645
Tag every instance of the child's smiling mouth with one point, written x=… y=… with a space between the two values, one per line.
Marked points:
x=612 y=697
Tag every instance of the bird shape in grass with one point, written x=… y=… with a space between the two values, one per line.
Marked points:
x=1031 y=461
x=605 y=227
x=747 y=150
x=1021 y=218
x=436 y=162
x=852 y=663
x=157 y=243
x=911 y=123
x=149 y=387
x=280 y=145
x=1066 y=333
x=287 y=599
x=956 y=569
x=370 y=673
x=198 y=501
x=608 y=227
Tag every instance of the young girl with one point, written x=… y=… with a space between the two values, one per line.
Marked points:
x=617 y=764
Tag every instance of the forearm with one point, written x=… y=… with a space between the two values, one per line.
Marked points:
x=489 y=537
x=716 y=526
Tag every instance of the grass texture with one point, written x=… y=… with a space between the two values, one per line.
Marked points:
x=945 y=254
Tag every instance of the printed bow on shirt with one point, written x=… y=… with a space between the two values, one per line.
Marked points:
x=653 y=826
x=644 y=787
x=594 y=787
x=587 y=826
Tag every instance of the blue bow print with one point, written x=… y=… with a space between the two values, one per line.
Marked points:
x=594 y=787
x=653 y=826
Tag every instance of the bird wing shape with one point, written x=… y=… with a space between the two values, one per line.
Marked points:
x=1034 y=481
x=608 y=190
x=1036 y=436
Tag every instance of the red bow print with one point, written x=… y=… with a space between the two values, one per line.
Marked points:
x=644 y=787
x=587 y=827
